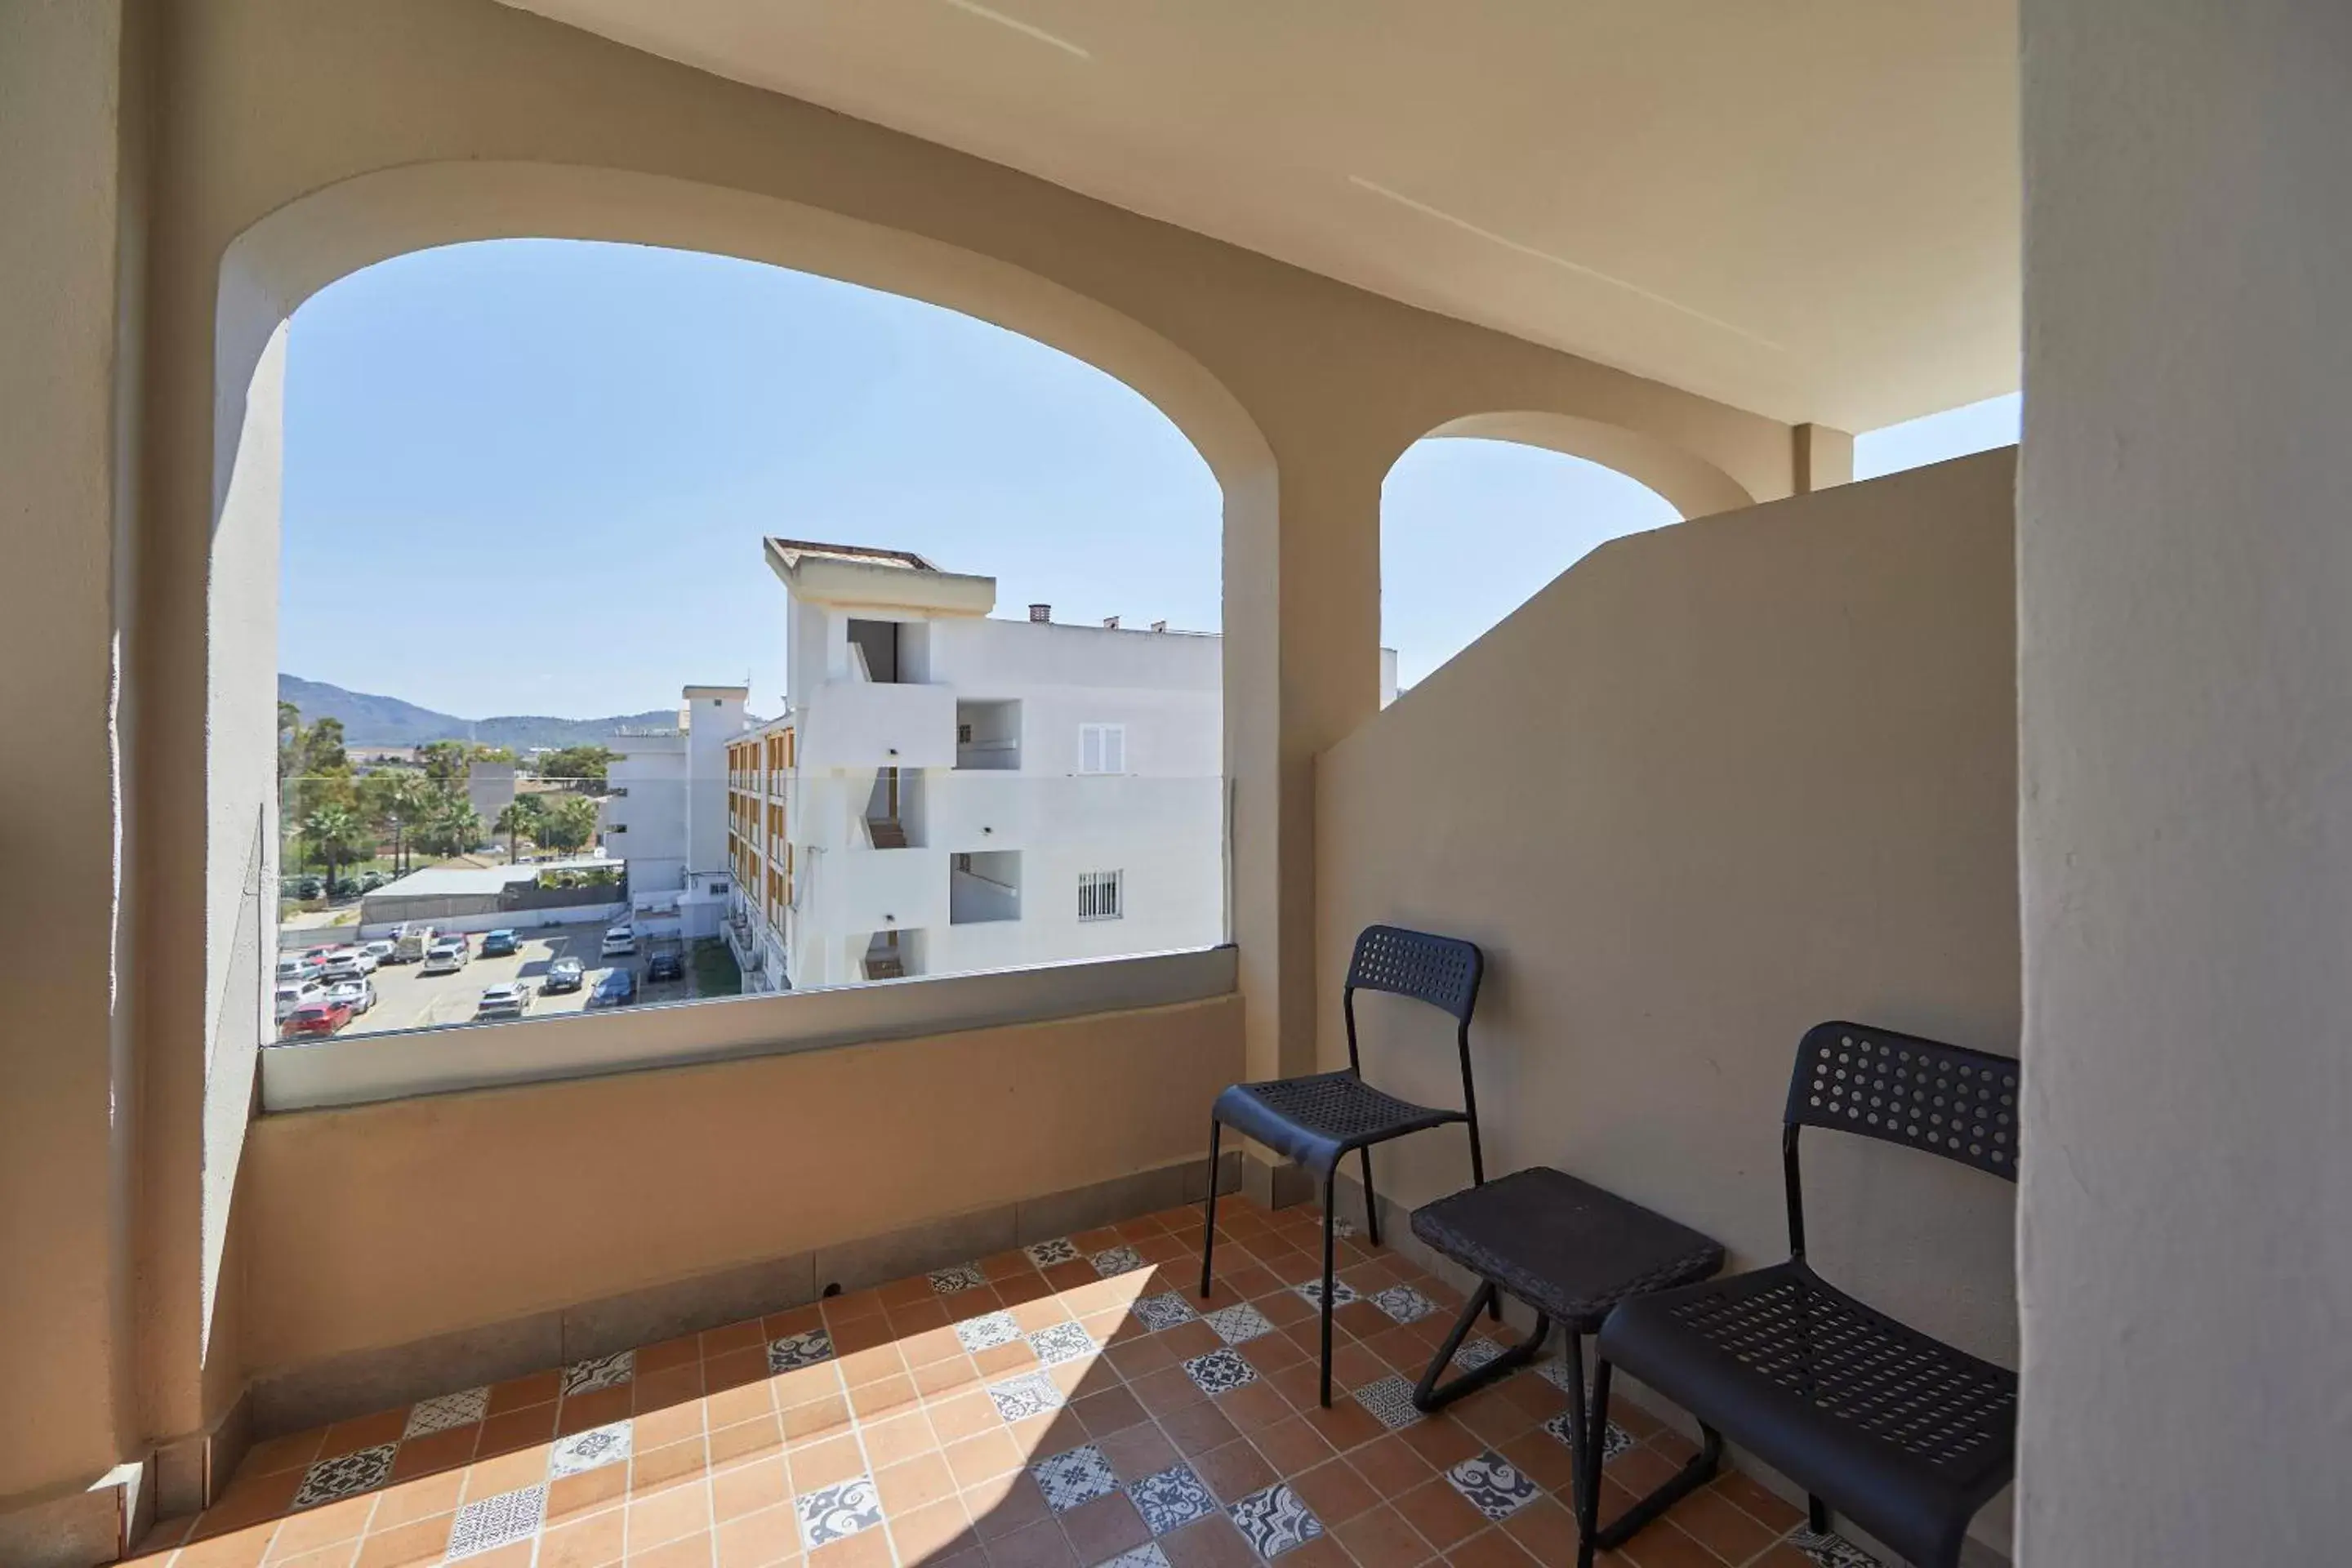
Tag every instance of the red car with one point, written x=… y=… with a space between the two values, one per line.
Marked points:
x=317 y=1019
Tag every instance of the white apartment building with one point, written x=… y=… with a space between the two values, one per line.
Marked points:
x=946 y=791
x=666 y=812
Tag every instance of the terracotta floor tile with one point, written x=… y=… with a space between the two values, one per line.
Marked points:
x=1234 y=1471
x=917 y=1483
x=982 y=1459
x=1381 y=1539
x=1186 y=1340
x=1443 y=1515
x=1066 y=1276
x=1767 y=1508
x=1641 y=1470
x=406 y=1545
x=803 y=1383
x=935 y=1531
x=292 y=1452
x=1100 y=1239
x=1721 y=1526
x=1546 y=1529
x=1042 y=1312
x=448 y=1450
x=1137 y=1451
x=1323 y=1551
x=1664 y=1545
x=1538 y=1398
x=320 y=1527
x=1039 y=1545
x=521 y=1392
x=851 y=1307
x=965 y=1415
x=1282 y=1306
x=1005 y=1360
x=905 y=1292
x=676 y=1464
x=1303 y=1385
x=763 y=1540
x=601 y=1407
x=1491 y=1548
x=1543 y=1460
x=1136 y=1358
x=824 y=1464
x=1273 y=1353
x=1353 y=1366
x=662 y=1425
x=592 y=1543
x=684 y=1351
x=745 y=1442
x=1441 y=1442
x=488 y=1478
x=1112 y=1410
x=733 y=1369
x=1211 y=1543
x=792 y=1320
x=1055 y=1433
x=859 y=1334
x=1167 y=1390
x=340 y=1555
x=1634 y=1419
x=898 y=1439
x=748 y=1489
x=1005 y=1505
x=874 y=1364
x=817 y=1421
x=591 y=1491
x=1197 y=1429
x=516 y=1429
x=744 y=1402
x=920 y=1350
x=161 y=1538
x=1781 y=1556
x=421 y=1498
x=1334 y=1493
x=1391 y=1464
x=668 y=1515
x=686 y=1552
x=236 y=1549
x=1292 y=1446
x=346 y=1436
x=1346 y=1425
x=947 y=1375
x=867 y=1549
x=884 y=1397
x=1101 y=1530
x=1254 y=1406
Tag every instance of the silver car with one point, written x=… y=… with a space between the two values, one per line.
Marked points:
x=359 y=995
x=510 y=1001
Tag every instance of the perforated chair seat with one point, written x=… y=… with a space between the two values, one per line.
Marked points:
x=1910 y=1436
x=1317 y=1120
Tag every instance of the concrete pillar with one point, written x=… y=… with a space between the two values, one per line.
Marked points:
x=69 y=315
x=1818 y=457
x=2185 y=673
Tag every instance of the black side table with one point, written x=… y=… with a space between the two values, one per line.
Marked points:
x=1572 y=1251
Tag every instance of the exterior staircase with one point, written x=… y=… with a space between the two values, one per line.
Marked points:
x=885 y=965
x=887 y=832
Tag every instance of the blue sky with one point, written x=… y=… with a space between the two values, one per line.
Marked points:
x=532 y=476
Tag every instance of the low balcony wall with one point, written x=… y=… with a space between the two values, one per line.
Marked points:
x=880 y=889
x=878 y=724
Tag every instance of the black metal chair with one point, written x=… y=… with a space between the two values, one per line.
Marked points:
x=1317 y=1120
x=1902 y=1432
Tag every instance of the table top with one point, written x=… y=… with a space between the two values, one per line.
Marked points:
x=1565 y=1247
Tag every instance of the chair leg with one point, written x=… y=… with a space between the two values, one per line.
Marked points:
x=1330 y=1178
x=1208 y=1226
x=1700 y=1469
x=1371 y=1202
x=1817 y=1515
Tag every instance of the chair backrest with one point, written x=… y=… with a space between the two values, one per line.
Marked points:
x=1899 y=1088
x=1442 y=970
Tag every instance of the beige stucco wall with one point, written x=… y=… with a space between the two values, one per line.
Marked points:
x=292 y=139
x=1715 y=784
x=385 y=1223
x=2185 y=619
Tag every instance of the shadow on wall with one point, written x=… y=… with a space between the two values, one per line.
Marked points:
x=1714 y=784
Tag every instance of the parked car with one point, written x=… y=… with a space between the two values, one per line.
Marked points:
x=351 y=963
x=299 y=966
x=293 y=993
x=317 y=1018
x=306 y=887
x=499 y=943
x=358 y=994
x=381 y=951
x=614 y=988
x=410 y=942
x=566 y=975
x=665 y=967
x=620 y=941
x=508 y=1001
x=447 y=956
x=372 y=880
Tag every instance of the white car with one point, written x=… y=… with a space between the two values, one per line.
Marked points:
x=351 y=963
x=380 y=950
x=447 y=957
x=620 y=941
x=510 y=1001
x=298 y=967
x=358 y=996
x=293 y=993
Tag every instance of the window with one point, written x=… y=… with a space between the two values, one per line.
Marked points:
x=1102 y=748
x=618 y=827
x=1098 y=894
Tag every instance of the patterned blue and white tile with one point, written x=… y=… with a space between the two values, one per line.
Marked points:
x=987 y=1332
x=1403 y=1303
x=1171 y=1500
x=1074 y=1478
x=1493 y=1485
x=836 y=1512
x=592 y=1449
x=1341 y=1292
x=487 y=1523
x=1046 y=1254
x=1275 y=1520
x=1118 y=1260
x=1032 y=1393
x=599 y=1372
x=1164 y=1310
x=1238 y=1324
x=1147 y=1555
x=795 y=1351
x=1831 y=1551
x=1219 y=1371
x=1614 y=1440
x=958 y=1278
x=345 y=1475
x=462 y=1408
x=1390 y=1401
x=1058 y=1342
x=1477 y=1351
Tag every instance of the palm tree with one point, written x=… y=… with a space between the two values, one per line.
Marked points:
x=336 y=834
x=396 y=800
x=521 y=816
x=569 y=823
x=451 y=825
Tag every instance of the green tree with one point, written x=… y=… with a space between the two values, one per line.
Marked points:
x=523 y=815
x=493 y=755
x=395 y=800
x=335 y=834
x=322 y=748
x=578 y=767
x=289 y=739
x=448 y=762
x=450 y=825
x=567 y=822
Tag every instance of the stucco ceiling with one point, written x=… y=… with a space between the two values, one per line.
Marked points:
x=1808 y=207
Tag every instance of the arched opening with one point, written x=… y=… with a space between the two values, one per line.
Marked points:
x=830 y=629
x=1474 y=526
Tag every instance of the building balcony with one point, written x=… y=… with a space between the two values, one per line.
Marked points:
x=857 y=724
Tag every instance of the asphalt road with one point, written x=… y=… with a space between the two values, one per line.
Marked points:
x=407 y=998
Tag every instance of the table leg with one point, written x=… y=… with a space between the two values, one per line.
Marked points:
x=1429 y=1396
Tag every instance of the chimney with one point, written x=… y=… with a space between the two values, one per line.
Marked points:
x=1110 y=623
x=1040 y=612
x=1160 y=625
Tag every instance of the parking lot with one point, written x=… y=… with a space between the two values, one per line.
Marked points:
x=407 y=998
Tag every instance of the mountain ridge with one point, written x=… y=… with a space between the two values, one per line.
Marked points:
x=372 y=718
